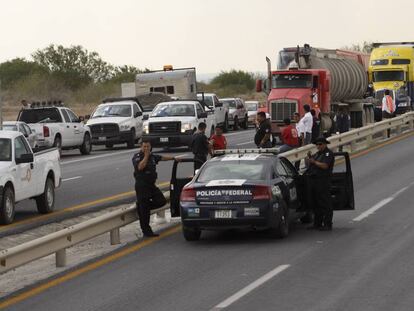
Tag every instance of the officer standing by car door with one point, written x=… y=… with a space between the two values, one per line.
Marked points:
x=200 y=146
x=320 y=173
x=264 y=132
x=149 y=196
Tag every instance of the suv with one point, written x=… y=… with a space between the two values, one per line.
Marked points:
x=57 y=126
x=221 y=112
x=117 y=121
x=237 y=112
x=172 y=124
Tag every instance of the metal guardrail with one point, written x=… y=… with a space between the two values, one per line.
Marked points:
x=59 y=241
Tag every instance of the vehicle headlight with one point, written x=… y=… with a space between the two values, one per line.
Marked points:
x=186 y=127
x=146 y=128
x=276 y=191
x=125 y=127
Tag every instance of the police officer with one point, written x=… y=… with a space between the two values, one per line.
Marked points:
x=264 y=131
x=320 y=174
x=149 y=196
x=200 y=146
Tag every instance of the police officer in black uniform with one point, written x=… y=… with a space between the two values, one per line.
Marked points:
x=200 y=146
x=320 y=173
x=264 y=132
x=149 y=196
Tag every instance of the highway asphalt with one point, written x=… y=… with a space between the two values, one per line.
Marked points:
x=105 y=174
x=364 y=264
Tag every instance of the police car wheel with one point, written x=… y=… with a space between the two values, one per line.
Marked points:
x=282 y=229
x=191 y=234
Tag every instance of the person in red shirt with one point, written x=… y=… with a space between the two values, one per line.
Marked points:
x=218 y=140
x=290 y=137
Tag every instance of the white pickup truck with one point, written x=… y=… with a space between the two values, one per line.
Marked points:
x=221 y=112
x=26 y=175
x=172 y=124
x=117 y=121
x=57 y=126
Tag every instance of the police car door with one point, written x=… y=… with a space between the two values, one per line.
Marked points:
x=288 y=178
x=342 y=187
x=178 y=183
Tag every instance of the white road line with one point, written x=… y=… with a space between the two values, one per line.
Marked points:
x=98 y=157
x=72 y=178
x=380 y=204
x=232 y=299
x=246 y=143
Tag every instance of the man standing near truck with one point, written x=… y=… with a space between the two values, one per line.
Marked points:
x=200 y=146
x=263 y=133
x=306 y=124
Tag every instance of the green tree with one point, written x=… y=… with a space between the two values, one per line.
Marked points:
x=16 y=69
x=125 y=74
x=235 y=78
x=75 y=65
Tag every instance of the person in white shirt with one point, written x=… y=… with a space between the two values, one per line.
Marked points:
x=296 y=120
x=388 y=108
x=306 y=124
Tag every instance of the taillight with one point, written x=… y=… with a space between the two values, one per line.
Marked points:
x=188 y=195
x=262 y=193
x=46 y=131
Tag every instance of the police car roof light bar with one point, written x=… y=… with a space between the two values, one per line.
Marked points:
x=247 y=151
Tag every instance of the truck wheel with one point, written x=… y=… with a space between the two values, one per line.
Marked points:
x=57 y=143
x=226 y=124
x=245 y=124
x=46 y=201
x=86 y=147
x=236 y=124
x=282 y=230
x=131 y=141
x=191 y=234
x=7 y=206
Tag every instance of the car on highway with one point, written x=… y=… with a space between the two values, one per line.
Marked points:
x=57 y=126
x=252 y=109
x=172 y=124
x=26 y=175
x=23 y=128
x=117 y=121
x=253 y=189
x=237 y=112
x=221 y=112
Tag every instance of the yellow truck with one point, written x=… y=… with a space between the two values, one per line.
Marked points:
x=391 y=67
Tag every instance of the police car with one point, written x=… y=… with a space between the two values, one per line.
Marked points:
x=251 y=188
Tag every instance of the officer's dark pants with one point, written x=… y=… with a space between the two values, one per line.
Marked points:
x=321 y=201
x=148 y=197
x=200 y=159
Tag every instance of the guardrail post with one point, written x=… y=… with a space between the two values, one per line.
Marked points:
x=115 y=236
x=385 y=133
x=60 y=258
x=353 y=146
x=411 y=122
x=398 y=130
x=369 y=140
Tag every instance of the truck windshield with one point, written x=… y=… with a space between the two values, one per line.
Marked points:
x=112 y=111
x=231 y=103
x=287 y=81
x=5 y=149
x=285 y=58
x=46 y=115
x=233 y=170
x=173 y=110
x=380 y=76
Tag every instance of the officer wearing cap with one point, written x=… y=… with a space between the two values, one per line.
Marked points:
x=264 y=132
x=320 y=173
x=149 y=196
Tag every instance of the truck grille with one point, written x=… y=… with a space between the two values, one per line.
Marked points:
x=104 y=129
x=283 y=109
x=165 y=127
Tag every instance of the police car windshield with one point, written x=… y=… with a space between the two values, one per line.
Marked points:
x=5 y=149
x=173 y=110
x=112 y=110
x=249 y=170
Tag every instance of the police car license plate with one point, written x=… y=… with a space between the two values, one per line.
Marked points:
x=164 y=139
x=223 y=214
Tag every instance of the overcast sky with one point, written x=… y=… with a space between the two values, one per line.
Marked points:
x=212 y=35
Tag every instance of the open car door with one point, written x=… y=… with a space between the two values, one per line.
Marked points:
x=342 y=186
x=177 y=185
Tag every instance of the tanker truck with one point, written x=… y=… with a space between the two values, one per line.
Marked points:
x=325 y=79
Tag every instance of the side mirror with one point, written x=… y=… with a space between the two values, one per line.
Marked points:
x=202 y=115
x=87 y=117
x=81 y=119
x=239 y=106
x=25 y=158
x=145 y=117
x=138 y=114
x=219 y=104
